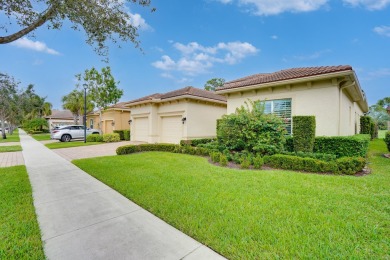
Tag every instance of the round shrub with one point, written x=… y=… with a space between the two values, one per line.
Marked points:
x=258 y=162
x=94 y=138
x=223 y=160
x=109 y=138
x=249 y=128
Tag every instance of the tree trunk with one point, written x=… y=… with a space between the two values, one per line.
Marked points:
x=100 y=121
x=3 y=129
x=41 y=20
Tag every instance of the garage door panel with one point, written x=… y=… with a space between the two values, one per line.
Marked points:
x=171 y=129
x=141 y=129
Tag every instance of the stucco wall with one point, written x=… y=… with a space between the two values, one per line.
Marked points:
x=200 y=123
x=319 y=98
x=202 y=119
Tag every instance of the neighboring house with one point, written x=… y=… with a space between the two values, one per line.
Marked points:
x=115 y=117
x=60 y=117
x=332 y=94
x=183 y=114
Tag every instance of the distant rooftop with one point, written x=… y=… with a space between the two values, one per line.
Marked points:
x=60 y=114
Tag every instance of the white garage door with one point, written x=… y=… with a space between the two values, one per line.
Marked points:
x=141 y=129
x=171 y=129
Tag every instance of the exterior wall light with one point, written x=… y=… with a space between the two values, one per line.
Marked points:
x=130 y=121
x=113 y=123
x=183 y=120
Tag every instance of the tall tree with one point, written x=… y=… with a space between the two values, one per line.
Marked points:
x=214 y=83
x=102 y=88
x=8 y=100
x=74 y=102
x=379 y=113
x=101 y=20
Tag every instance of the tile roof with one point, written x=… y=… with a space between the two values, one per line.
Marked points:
x=281 y=75
x=60 y=114
x=187 y=91
x=119 y=105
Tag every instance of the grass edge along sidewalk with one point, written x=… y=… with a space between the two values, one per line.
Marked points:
x=20 y=236
x=258 y=214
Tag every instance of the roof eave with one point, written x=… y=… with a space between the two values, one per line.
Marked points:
x=285 y=82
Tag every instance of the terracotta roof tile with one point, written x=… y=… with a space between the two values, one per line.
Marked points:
x=287 y=74
x=60 y=114
x=119 y=105
x=190 y=91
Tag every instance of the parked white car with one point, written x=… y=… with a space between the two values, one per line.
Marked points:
x=69 y=132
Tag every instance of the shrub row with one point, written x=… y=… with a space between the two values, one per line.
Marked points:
x=304 y=131
x=343 y=146
x=128 y=149
x=368 y=126
x=387 y=140
x=318 y=156
x=123 y=134
x=345 y=165
x=244 y=160
x=109 y=138
x=94 y=138
x=196 y=142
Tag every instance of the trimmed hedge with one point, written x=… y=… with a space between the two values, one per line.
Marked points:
x=343 y=146
x=289 y=145
x=196 y=142
x=319 y=156
x=128 y=149
x=94 y=138
x=387 y=140
x=126 y=135
x=365 y=125
x=121 y=134
x=110 y=138
x=345 y=165
x=304 y=131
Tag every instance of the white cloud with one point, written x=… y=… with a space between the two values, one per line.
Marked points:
x=369 y=4
x=225 y=1
x=139 y=22
x=197 y=59
x=383 y=30
x=274 y=37
x=34 y=45
x=274 y=7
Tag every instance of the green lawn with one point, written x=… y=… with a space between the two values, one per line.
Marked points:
x=12 y=148
x=41 y=137
x=59 y=144
x=246 y=214
x=10 y=138
x=20 y=237
x=382 y=133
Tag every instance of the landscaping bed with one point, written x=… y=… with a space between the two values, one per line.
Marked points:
x=259 y=214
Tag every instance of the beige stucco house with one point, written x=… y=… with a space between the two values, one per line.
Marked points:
x=60 y=117
x=332 y=94
x=184 y=114
x=115 y=117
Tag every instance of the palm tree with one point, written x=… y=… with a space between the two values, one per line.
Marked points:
x=74 y=102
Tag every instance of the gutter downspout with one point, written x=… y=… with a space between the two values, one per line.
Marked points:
x=340 y=98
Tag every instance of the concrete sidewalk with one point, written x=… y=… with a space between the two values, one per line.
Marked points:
x=82 y=218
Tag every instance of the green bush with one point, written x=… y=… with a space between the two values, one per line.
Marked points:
x=36 y=124
x=304 y=131
x=215 y=156
x=126 y=135
x=341 y=146
x=109 y=138
x=296 y=163
x=196 y=142
x=121 y=134
x=365 y=125
x=223 y=160
x=387 y=140
x=249 y=128
x=258 y=162
x=245 y=163
x=319 y=156
x=94 y=138
x=127 y=149
x=373 y=130
x=350 y=165
x=289 y=145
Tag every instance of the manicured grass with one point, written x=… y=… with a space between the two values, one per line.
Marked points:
x=10 y=138
x=381 y=134
x=12 y=148
x=59 y=144
x=41 y=137
x=246 y=214
x=19 y=231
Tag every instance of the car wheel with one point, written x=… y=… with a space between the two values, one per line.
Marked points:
x=66 y=138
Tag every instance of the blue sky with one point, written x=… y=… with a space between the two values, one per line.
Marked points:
x=186 y=43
